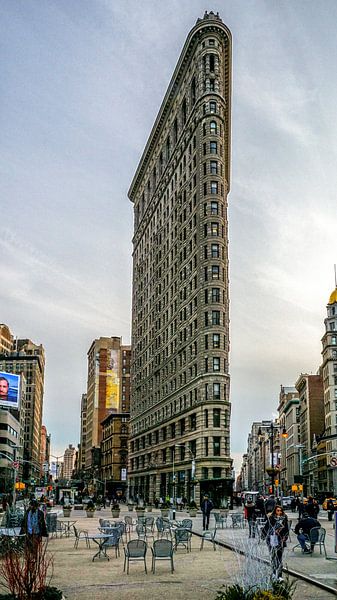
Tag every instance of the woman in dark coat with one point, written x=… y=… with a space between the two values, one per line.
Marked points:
x=275 y=532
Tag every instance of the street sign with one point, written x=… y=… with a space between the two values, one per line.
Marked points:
x=333 y=462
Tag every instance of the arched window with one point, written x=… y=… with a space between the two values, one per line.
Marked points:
x=213 y=127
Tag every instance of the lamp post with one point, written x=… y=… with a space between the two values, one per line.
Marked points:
x=284 y=434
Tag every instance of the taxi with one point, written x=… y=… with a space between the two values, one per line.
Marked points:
x=324 y=505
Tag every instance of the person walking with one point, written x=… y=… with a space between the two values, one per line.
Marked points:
x=275 y=532
x=34 y=524
x=206 y=507
x=250 y=515
x=330 y=505
x=270 y=504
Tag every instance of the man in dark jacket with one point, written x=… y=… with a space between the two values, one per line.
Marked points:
x=302 y=530
x=206 y=507
x=270 y=504
x=312 y=507
x=33 y=524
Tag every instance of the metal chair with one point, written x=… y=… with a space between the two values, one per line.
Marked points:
x=317 y=537
x=187 y=524
x=113 y=540
x=208 y=535
x=182 y=537
x=163 y=527
x=219 y=519
x=149 y=523
x=81 y=534
x=237 y=520
x=51 y=524
x=162 y=550
x=135 y=551
x=129 y=525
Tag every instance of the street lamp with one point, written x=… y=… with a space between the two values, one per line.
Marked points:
x=271 y=438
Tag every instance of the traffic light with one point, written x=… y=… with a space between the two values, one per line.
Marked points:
x=270 y=489
x=276 y=482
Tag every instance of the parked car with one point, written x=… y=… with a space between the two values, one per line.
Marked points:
x=286 y=501
x=324 y=505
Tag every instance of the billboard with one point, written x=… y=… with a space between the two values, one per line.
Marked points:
x=9 y=390
x=112 y=381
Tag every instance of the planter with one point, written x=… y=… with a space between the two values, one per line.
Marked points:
x=193 y=512
x=90 y=513
x=149 y=508
x=67 y=512
x=78 y=507
x=115 y=513
x=164 y=512
x=140 y=512
x=130 y=507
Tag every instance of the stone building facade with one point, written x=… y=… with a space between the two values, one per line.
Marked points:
x=180 y=411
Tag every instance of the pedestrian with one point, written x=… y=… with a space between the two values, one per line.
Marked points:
x=260 y=507
x=34 y=524
x=312 y=507
x=206 y=507
x=293 y=505
x=275 y=532
x=270 y=504
x=330 y=505
x=302 y=530
x=250 y=515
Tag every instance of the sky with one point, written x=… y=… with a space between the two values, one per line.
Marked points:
x=81 y=84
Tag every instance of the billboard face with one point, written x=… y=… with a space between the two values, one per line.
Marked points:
x=112 y=381
x=9 y=390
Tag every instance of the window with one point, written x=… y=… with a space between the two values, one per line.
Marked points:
x=334 y=340
x=182 y=452
x=215 y=251
x=214 y=187
x=213 y=167
x=206 y=445
x=216 y=446
x=206 y=317
x=212 y=85
x=216 y=472
x=193 y=91
x=173 y=430
x=216 y=417
x=212 y=107
x=211 y=62
x=184 y=111
x=182 y=426
x=216 y=391
x=216 y=273
x=214 y=208
x=214 y=229
x=215 y=317
x=216 y=340
x=193 y=422
x=216 y=363
x=213 y=128
x=204 y=473
x=206 y=418
x=213 y=147
x=215 y=294
x=211 y=42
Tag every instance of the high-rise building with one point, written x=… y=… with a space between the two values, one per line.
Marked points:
x=311 y=398
x=329 y=368
x=108 y=391
x=68 y=462
x=28 y=360
x=6 y=339
x=289 y=420
x=180 y=410
x=83 y=434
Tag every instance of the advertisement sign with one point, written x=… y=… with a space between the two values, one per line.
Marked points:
x=9 y=390
x=123 y=474
x=112 y=381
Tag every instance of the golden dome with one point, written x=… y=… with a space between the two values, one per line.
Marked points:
x=333 y=297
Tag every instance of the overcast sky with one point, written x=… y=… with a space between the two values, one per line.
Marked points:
x=81 y=84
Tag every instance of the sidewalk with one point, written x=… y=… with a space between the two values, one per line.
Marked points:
x=314 y=566
x=198 y=575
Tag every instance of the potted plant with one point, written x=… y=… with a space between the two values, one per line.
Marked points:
x=90 y=509
x=149 y=507
x=67 y=510
x=192 y=509
x=115 y=510
x=130 y=506
x=165 y=507
x=140 y=510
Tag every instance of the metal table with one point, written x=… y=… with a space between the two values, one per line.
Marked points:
x=100 y=539
x=67 y=524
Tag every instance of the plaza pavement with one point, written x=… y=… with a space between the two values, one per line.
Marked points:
x=198 y=575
